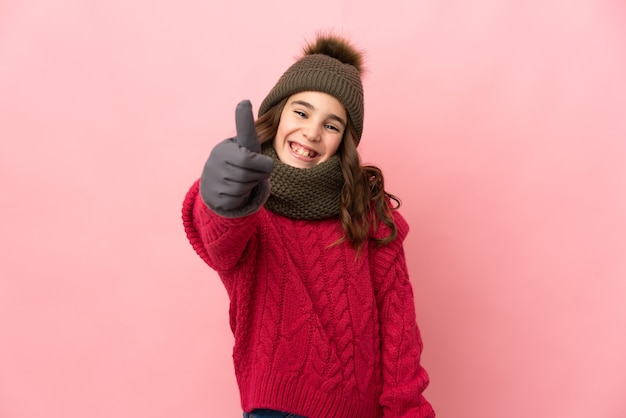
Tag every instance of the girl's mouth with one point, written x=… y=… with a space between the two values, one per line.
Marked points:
x=302 y=151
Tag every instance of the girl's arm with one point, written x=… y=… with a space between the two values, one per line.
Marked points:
x=220 y=211
x=404 y=379
x=219 y=241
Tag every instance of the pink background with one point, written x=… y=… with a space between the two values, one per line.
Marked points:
x=501 y=124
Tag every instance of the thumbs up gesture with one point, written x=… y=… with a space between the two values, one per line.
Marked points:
x=234 y=180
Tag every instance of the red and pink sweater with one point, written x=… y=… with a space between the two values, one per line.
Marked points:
x=318 y=331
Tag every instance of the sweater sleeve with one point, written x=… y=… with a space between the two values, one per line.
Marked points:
x=404 y=379
x=220 y=242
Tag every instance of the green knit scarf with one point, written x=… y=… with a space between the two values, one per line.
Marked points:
x=304 y=193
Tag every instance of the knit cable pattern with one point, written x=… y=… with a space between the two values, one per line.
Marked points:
x=318 y=332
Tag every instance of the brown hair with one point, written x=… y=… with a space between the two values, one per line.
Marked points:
x=363 y=197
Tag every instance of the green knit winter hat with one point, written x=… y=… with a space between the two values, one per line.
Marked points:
x=331 y=65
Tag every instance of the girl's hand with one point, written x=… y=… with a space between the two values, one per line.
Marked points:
x=235 y=167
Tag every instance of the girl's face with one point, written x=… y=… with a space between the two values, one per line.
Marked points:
x=310 y=129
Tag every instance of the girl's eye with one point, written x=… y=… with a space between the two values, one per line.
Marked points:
x=332 y=128
x=300 y=113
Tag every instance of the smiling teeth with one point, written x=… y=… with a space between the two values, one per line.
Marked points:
x=304 y=152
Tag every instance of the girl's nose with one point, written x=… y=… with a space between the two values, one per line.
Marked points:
x=311 y=133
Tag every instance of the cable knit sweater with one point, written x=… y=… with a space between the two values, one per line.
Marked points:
x=319 y=332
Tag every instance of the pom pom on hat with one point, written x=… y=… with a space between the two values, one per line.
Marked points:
x=337 y=48
x=329 y=64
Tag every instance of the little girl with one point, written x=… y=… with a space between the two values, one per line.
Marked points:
x=310 y=249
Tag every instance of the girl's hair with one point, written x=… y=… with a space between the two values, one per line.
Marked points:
x=363 y=198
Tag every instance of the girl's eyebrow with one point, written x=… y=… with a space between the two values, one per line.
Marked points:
x=311 y=107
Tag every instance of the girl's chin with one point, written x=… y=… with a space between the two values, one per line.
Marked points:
x=296 y=163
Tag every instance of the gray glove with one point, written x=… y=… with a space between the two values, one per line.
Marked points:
x=235 y=179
